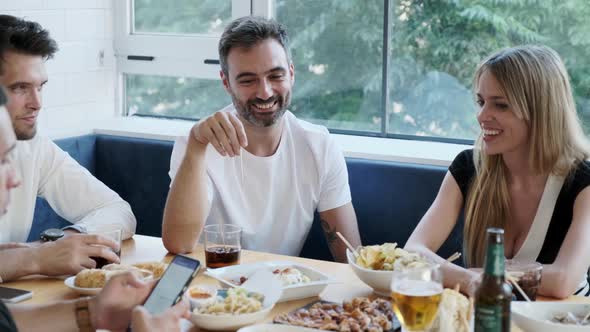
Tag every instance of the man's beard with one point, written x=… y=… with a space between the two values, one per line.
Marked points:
x=25 y=135
x=244 y=109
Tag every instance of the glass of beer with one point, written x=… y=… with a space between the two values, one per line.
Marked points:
x=222 y=245
x=416 y=293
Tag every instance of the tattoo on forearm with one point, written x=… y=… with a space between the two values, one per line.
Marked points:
x=329 y=231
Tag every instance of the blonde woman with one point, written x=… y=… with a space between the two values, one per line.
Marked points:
x=526 y=174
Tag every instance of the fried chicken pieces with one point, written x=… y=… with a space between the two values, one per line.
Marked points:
x=359 y=314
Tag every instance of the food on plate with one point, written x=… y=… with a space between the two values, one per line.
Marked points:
x=238 y=301
x=288 y=276
x=240 y=281
x=97 y=278
x=387 y=257
x=359 y=314
x=569 y=318
x=90 y=278
x=156 y=268
x=454 y=313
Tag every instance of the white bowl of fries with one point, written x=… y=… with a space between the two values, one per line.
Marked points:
x=375 y=264
x=379 y=280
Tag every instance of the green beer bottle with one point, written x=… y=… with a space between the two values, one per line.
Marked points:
x=492 y=298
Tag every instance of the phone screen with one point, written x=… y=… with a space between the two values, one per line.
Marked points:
x=174 y=281
x=13 y=295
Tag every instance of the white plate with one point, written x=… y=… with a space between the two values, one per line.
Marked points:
x=536 y=316
x=94 y=291
x=276 y=328
x=318 y=282
x=82 y=291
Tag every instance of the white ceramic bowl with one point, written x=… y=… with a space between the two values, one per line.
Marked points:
x=536 y=316
x=229 y=322
x=205 y=289
x=380 y=281
x=318 y=282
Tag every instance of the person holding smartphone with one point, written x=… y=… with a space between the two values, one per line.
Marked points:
x=114 y=308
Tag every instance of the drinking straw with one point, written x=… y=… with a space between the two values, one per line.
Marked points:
x=454 y=257
x=515 y=284
x=350 y=247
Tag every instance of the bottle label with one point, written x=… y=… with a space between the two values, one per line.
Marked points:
x=495 y=260
x=488 y=318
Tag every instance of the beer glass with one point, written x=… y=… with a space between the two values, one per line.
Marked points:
x=222 y=245
x=416 y=294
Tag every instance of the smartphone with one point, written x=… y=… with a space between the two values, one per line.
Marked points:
x=14 y=295
x=173 y=283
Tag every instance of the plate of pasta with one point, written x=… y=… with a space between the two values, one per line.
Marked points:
x=234 y=308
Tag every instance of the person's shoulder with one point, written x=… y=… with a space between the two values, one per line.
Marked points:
x=308 y=127
x=468 y=153
x=584 y=166
x=38 y=145
x=181 y=141
x=582 y=171
x=315 y=134
x=464 y=159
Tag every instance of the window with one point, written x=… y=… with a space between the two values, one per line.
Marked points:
x=195 y=17
x=418 y=88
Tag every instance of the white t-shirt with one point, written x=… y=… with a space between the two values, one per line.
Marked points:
x=47 y=171
x=275 y=200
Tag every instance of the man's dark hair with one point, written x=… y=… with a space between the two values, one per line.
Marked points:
x=248 y=31
x=19 y=35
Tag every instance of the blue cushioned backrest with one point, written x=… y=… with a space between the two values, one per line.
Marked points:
x=137 y=169
x=389 y=199
x=81 y=148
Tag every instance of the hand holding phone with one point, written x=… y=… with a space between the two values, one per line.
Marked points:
x=174 y=282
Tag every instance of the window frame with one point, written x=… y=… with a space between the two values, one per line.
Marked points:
x=196 y=56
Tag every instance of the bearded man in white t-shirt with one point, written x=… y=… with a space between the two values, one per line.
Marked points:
x=254 y=164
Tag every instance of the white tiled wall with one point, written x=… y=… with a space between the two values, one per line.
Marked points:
x=81 y=87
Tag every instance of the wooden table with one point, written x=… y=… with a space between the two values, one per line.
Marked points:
x=146 y=248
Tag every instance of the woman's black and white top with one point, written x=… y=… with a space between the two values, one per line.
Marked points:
x=553 y=217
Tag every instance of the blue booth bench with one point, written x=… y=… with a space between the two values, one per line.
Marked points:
x=389 y=197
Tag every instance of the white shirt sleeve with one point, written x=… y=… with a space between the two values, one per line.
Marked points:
x=334 y=188
x=178 y=152
x=76 y=195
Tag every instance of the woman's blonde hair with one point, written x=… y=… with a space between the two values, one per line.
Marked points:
x=536 y=84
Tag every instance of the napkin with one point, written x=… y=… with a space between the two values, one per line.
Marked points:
x=264 y=282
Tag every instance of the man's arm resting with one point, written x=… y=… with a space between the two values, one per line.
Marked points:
x=115 y=212
x=343 y=220
x=187 y=205
x=19 y=262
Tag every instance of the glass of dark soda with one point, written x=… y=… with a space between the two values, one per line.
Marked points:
x=222 y=245
x=113 y=232
x=528 y=275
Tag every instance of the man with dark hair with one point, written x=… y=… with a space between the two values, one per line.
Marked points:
x=280 y=169
x=47 y=171
x=117 y=305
